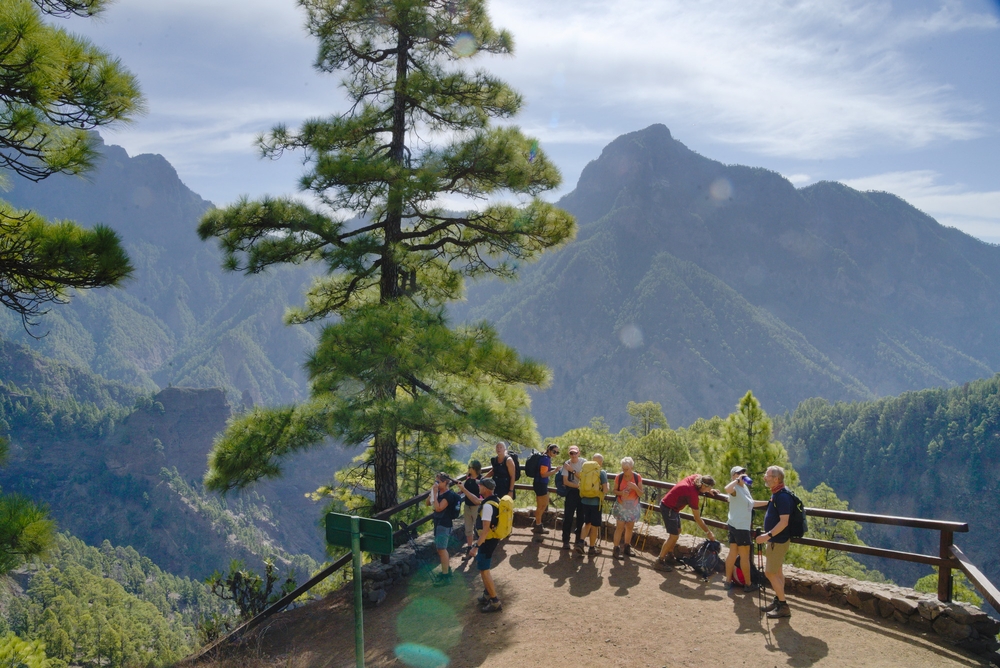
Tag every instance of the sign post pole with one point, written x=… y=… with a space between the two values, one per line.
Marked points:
x=359 y=622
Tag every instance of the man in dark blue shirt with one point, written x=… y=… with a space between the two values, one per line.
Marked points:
x=445 y=504
x=777 y=537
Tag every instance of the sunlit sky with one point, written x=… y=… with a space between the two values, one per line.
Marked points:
x=897 y=96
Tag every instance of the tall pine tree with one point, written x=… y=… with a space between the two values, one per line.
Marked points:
x=55 y=88
x=389 y=366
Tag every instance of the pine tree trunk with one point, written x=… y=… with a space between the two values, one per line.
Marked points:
x=390 y=289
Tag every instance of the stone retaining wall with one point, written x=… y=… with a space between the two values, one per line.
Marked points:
x=959 y=623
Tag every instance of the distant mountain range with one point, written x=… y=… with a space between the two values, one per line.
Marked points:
x=689 y=283
x=692 y=281
x=180 y=320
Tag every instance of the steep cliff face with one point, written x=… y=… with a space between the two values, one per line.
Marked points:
x=130 y=472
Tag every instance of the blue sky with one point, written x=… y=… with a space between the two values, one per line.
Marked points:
x=896 y=96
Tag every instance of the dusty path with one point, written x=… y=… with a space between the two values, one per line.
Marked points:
x=562 y=611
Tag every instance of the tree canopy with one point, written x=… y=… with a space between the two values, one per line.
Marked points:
x=388 y=365
x=55 y=88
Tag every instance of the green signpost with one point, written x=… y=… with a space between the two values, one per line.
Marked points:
x=359 y=534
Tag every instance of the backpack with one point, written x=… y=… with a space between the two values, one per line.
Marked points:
x=797 y=523
x=452 y=512
x=590 y=480
x=618 y=480
x=517 y=465
x=560 y=483
x=705 y=560
x=502 y=522
x=757 y=578
x=534 y=463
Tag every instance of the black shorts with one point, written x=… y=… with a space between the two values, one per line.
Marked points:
x=739 y=536
x=540 y=486
x=591 y=514
x=504 y=487
x=671 y=520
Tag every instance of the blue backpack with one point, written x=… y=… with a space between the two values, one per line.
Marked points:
x=705 y=560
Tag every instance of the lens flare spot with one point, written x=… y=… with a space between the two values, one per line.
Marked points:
x=430 y=622
x=630 y=336
x=554 y=120
x=533 y=153
x=721 y=189
x=421 y=656
x=465 y=45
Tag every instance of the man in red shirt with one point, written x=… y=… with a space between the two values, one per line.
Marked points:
x=683 y=494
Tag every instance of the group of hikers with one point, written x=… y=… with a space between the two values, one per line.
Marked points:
x=488 y=515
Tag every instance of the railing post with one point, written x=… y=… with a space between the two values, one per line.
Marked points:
x=944 y=571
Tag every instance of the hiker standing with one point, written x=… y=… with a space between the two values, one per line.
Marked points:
x=572 y=468
x=777 y=537
x=593 y=487
x=445 y=503
x=741 y=506
x=489 y=511
x=503 y=471
x=627 y=510
x=540 y=485
x=685 y=493
x=470 y=488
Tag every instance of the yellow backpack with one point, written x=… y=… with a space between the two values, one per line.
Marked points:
x=503 y=517
x=590 y=480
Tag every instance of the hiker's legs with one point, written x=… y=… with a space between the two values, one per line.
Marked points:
x=541 y=504
x=619 y=530
x=571 y=513
x=772 y=568
x=488 y=583
x=744 y=562
x=731 y=562
x=484 y=561
x=441 y=537
x=628 y=532
x=594 y=531
x=469 y=516
x=672 y=523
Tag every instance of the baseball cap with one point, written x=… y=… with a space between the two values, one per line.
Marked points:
x=737 y=469
x=573 y=449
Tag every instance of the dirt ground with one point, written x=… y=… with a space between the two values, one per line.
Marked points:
x=570 y=611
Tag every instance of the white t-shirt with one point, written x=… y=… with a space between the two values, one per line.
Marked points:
x=487 y=514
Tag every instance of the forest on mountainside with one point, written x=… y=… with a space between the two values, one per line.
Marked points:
x=933 y=453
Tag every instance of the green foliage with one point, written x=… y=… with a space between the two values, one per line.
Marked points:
x=961 y=589
x=18 y=653
x=646 y=417
x=391 y=368
x=26 y=531
x=109 y=606
x=250 y=592
x=54 y=88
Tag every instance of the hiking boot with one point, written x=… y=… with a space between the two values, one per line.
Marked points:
x=442 y=579
x=565 y=545
x=781 y=611
x=579 y=548
x=750 y=589
x=615 y=553
x=662 y=565
x=772 y=606
x=484 y=599
x=539 y=529
x=492 y=605
x=728 y=586
x=594 y=551
x=627 y=550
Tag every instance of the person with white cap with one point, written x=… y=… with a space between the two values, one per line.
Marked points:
x=739 y=521
x=572 y=468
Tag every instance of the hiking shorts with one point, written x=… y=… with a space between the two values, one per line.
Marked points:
x=591 y=514
x=775 y=556
x=470 y=513
x=441 y=537
x=739 y=536
x=540 y=486
x=484 y=556
x=671 y=520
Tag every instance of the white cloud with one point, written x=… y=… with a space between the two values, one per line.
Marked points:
x=974 y=212
x=808 y=79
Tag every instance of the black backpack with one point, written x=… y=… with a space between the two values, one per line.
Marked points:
x=517 y=465
x=560 y=483
x=797 y=523
x=533 y=464
x=705 y=560
x=500 y=468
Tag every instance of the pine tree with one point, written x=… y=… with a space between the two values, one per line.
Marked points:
x=55 y=88
x=25 y=530
x=390 y=366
